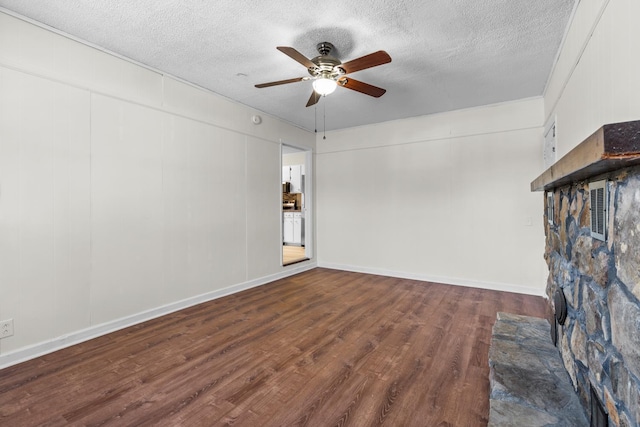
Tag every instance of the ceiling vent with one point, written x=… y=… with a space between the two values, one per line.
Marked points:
x=598 y=198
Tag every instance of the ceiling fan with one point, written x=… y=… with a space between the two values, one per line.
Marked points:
x=328 y=72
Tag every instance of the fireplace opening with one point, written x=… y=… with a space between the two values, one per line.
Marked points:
x=599 y=417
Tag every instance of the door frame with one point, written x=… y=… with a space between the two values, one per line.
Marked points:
x=309 y=219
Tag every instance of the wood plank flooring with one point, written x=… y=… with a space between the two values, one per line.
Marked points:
x=292 y=254
x=322 y=348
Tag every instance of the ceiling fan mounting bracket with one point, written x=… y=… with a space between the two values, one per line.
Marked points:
x=324 y=48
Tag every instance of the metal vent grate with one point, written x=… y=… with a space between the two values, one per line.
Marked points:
x=598 y=198
x=550 y=210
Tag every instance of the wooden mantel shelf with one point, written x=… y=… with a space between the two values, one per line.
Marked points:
x=614 y=146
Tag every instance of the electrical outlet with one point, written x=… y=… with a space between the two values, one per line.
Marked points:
x=6 y=328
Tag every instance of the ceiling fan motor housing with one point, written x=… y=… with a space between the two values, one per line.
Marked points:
x=326 y=66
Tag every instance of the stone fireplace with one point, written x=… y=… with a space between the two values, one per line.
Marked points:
x=599 y=341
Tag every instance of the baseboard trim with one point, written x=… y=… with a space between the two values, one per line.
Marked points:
x=494 y=286
x=77 y=337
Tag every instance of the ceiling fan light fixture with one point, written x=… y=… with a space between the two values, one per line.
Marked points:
x=324 y=86
x=327 y=72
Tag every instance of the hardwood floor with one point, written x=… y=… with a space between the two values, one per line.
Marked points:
x=322 y=348
x=292 y=254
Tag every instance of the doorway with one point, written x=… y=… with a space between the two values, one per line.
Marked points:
x=296 y=213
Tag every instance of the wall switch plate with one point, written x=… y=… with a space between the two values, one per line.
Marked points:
x=6 y=328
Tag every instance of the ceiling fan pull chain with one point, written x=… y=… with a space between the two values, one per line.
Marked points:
x=324 y=113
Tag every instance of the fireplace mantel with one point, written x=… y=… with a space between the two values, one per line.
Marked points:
x=613 y=146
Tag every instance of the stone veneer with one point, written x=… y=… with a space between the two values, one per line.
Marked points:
x=600 y=340
x=529 y=385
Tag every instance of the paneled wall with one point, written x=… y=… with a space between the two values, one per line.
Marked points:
x=444 y=198
x=596 y=80
x=124 y=193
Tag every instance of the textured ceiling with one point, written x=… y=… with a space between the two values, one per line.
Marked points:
x=446 y=54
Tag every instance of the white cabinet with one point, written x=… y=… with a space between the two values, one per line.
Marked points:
x=287 y=227
x=297 y=228
x=292 y=228
x=293 y=174
x=296 y=179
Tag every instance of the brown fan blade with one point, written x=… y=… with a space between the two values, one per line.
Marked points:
x=372 y=60
x=362 y=87
x=282 y=82
x=313 y=99
x=297 y=56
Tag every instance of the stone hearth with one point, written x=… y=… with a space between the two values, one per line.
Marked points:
x=529 y=384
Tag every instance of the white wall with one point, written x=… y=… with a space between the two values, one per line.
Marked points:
x=124 y=193
x=293 y=159
x=444 y=198
x=596 y=80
